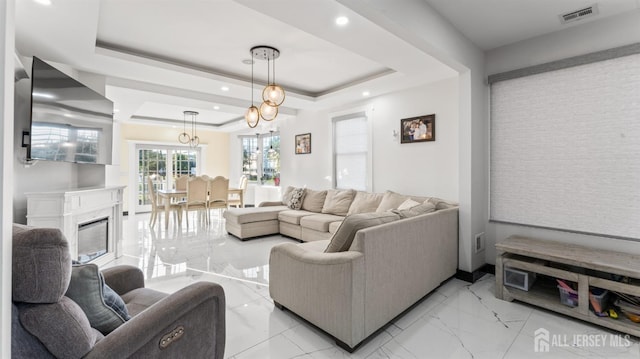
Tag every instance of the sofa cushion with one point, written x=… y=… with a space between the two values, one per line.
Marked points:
x=87 y=289
x=409 y=203
x=319 y=222
x=391 y=200
x=333 y=226
x=441 y=203
x=313 y=200
x=250 y=215
x=142 y=298
x=338 y=201
x=41 y=265
x=293 y=216
x=423 y=208
x=62 y=327
x=365 y=202
x=297 y=196
x=342 y=239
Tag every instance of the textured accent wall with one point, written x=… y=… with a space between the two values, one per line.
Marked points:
x=565 y=149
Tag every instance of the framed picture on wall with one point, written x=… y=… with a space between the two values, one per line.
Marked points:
x=303 y=144
x=418 y=129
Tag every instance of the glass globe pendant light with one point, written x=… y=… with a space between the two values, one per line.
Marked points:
x=273 y=94
x=268 y=112
x=252 y=116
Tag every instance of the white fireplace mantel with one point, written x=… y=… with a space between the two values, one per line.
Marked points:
x=66 y=209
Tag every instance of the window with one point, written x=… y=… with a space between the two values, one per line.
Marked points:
x=261 y=158
x=351 y=152
x=564 y=146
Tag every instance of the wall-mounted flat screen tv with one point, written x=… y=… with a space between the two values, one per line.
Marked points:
x=69 y=121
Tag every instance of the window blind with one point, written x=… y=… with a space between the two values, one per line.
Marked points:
x=350 y=151
x=565 y=149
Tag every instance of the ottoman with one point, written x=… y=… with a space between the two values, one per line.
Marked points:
x=253 y=222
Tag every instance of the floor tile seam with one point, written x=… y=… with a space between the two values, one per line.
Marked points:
x=517 y=335
x=229 y=277
x=266 y=340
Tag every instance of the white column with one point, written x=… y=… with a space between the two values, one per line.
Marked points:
x=7 y=54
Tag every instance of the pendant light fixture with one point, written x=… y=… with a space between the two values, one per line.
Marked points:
x=257 y=143
x=273 y=95
x=252 y=116
x=271 y=150
x=193 y=140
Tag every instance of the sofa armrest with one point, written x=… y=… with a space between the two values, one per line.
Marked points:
x=324 y=288
x=123 y=278
x=271 y=204
x=199 y=309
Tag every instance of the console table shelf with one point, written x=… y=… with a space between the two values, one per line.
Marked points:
x=587 y=267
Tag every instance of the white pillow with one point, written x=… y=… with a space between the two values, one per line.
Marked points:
x=408 y=204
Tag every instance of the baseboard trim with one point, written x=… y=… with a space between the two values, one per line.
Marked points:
x=472 y=277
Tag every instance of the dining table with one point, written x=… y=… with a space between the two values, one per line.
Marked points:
x=168 y=195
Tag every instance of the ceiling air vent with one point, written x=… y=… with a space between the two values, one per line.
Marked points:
x=579 y=14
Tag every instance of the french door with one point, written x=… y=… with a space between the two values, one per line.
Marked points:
x=163 y=164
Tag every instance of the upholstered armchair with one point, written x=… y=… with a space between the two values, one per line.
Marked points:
x=47 y=323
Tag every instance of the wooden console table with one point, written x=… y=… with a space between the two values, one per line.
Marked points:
x=588 y=267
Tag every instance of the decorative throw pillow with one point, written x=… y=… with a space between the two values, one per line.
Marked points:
x=415 y=211
x=391 y=200
x=286 y=196
x=365 y=202
x=338 y=201
x=408 y=204
x=295 y=201
x=87 y=289
x=62 y=327
x=342 y=239
x=313 y=200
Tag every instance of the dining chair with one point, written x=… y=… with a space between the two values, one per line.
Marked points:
x=219 y=193
x=236 y=195
x=196 y=200
x=181 y=182
x=157 y=207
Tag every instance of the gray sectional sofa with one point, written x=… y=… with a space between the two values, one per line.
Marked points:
x=366 y=257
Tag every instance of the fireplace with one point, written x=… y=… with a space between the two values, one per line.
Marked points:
x=93 y=239
x=90 y=219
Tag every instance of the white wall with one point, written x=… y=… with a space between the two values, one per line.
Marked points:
x=7 y=45
x=420 y=25
x=426 y=168
x=590 y=37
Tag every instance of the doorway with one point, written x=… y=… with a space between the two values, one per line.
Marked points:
x=163 y=164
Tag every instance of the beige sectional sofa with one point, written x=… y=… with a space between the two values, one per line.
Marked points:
x=352 y=288
x=319 y=216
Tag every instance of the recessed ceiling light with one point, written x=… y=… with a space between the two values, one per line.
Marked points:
x=366 y=93
x=224 y=88
x=43 y=2
x=342 y=20
x=216 y=107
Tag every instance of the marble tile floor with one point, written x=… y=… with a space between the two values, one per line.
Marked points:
x=457 y=320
